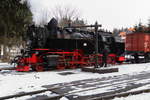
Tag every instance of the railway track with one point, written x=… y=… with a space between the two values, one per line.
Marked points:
x=124 y=94
x=74 y=89
x=7 y=68
x=14 y=68
x=102 y=96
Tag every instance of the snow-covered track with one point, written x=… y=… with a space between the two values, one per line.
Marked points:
x=124 y=94
x=130 y=83
x=54 y=87
x=119 y=85
x=107 y=97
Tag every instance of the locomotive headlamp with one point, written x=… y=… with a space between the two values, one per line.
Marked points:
x=85 y=44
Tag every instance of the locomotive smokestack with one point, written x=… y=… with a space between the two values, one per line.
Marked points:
x=53 y=24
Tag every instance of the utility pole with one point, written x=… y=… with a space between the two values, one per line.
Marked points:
x=96 y=45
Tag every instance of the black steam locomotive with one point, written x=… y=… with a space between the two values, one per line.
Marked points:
x=52 y=47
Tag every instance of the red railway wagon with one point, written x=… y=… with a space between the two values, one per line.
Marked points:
x=138 y=45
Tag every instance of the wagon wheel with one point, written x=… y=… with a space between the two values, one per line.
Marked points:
x=39 y=68
x=119 y=62
x=110 y=61
x=146 y=57
x=60 y=67
x=72 y=66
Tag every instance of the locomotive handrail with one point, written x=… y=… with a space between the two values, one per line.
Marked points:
x=83 y=26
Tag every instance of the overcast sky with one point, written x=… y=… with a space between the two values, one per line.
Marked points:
x=110 y=13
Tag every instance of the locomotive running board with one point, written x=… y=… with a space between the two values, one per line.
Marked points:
x=100 y=70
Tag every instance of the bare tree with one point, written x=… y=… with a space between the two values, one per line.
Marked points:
x=65 y=14
x=41 y=19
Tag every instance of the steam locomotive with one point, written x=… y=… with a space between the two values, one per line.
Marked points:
x=51 y=47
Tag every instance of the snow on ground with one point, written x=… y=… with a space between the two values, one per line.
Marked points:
x=12 y=82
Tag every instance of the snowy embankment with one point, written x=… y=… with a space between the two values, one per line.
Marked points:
x=12 y=82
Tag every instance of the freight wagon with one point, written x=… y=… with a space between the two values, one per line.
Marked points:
x=137 y=47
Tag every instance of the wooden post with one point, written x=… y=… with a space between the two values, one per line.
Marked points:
x=96 y=44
